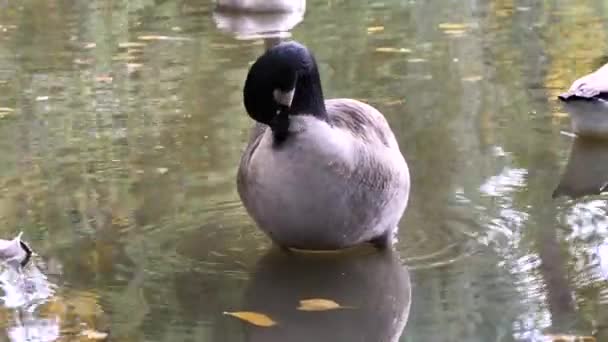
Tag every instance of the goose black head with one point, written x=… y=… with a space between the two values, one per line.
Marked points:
x=283 y=81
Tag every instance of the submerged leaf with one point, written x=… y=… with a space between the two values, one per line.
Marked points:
x=320 y=304
x=254 y=318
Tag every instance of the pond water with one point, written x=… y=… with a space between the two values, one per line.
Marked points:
x=121 y=126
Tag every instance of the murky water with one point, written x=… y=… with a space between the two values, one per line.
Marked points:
x=121 y=126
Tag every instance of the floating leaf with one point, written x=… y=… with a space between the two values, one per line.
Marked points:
x=254 y=318
x=320 y=304
x=454 y=32
x=559 y=115
x=90 y=45
x=6 y=109
x=94 y=334
x=373 y=29
x=132 y=67
x=453 y=26
x=104 y=78
x=393 y=50
x=162 y=170
x=416 y=60
x=475 y=78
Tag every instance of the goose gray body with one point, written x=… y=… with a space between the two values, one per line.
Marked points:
x=332 y=184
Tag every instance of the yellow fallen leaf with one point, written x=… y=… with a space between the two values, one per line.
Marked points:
x=6 y=109
x=254 y=318
x=393 y=50
x=319 y=304
x=94 y=334
x=162 y=170
x=373 y=29
x=559 y=115
x=90 y=45
x=453 y=26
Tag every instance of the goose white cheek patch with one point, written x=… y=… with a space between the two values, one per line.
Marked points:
x=282 y=97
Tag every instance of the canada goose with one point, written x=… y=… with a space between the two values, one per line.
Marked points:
x=593 y=85
x=15 y=252
x=317 y=174
x=587 y=103
x=268 y=20
x=271 y=27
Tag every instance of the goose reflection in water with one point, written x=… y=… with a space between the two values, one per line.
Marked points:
x=375 y=287
x=267 y=20
x=587 y=170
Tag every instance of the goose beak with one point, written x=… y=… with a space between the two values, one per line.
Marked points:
x=284 y=97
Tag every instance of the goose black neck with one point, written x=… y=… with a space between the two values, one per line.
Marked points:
x=280 y=126
x=308 y=98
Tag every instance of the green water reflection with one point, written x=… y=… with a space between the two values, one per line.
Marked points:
x=119 y=153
